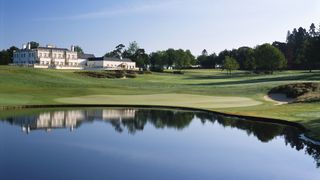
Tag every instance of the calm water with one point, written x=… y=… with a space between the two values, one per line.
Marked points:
x=127 y=143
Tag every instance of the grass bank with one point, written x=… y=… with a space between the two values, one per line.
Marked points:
x=241 y=94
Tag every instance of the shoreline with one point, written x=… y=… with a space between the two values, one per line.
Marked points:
x=250 y=118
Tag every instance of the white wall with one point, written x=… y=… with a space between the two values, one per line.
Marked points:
x=27 y=56
x=117 y=64
x=95 y=64
x=111 y=64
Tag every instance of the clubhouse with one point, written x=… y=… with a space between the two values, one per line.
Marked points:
x=63 y=58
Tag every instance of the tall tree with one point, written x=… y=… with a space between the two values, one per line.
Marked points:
x=230 y=64
x=34 y=45
x=192 y=60
x=269 y=58
x=249 y=60
x=158 y=61
x=119 y=50
x=141 y=58
x=296 y=46
x=78 y=49
x=312 y=30
x=131 y=50
x=204 y=52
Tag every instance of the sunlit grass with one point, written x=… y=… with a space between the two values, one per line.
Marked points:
x=21 y=86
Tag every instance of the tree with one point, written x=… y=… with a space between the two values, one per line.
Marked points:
x=295 y=43
x=208 y=61
x=157 y=61
x=191 y=59
x=269 y=58
x=204 y=52
x=34 y=45
x=120 y=48
x=6 y=55
x=111 y=54
x=170 y=57
x=243 y=55
x=141 y=58
x=249 y=60
x=230 y=64
x=312 y=30
x=78 y=49
x=222 y=55
x=132 y=48
x=312 y=54
x=117 y=52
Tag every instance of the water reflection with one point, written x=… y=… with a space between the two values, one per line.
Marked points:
x=134 y=120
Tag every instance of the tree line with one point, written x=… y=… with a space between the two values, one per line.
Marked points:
x=156 y=61
x=301 y=51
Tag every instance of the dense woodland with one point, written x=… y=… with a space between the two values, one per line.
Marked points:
x=301 y=51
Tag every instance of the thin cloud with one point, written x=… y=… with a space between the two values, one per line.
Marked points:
x=112 y=12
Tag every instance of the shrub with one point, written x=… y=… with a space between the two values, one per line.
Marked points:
x=178 y=72
x=131 y=75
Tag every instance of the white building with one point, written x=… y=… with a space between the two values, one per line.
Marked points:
x=111 y=63
x=49 y=56
x=62 y=58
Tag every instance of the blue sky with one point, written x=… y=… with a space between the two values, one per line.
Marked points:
x=99 y=25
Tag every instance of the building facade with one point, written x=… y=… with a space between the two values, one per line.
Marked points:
x=111 y=63
x=49 y=56
x=63 y=58
x=71 y=119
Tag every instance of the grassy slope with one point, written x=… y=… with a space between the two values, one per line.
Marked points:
x=19 y=86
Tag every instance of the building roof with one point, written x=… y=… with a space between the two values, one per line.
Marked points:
x=53 y=48
x=85 y=56
x=109 y=59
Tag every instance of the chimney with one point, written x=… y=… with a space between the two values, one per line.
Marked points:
x=50 y=46
x=72 y=48
x=29 y=45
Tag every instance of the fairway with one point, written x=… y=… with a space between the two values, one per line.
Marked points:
x=241 y=94
x=179 y=100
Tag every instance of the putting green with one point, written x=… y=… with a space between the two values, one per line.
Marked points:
x=179 y=100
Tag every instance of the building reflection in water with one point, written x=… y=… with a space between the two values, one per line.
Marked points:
x=69 y=119
x=134 y=120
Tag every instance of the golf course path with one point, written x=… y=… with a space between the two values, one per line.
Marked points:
x=178 y=100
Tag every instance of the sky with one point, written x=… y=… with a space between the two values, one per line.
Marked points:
x=99 y=25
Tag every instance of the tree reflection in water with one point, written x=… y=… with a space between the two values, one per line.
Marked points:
x=134 y=120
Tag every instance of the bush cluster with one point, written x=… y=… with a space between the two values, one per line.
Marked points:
x=117 y=74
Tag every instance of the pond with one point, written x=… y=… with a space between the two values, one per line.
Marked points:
x=142 y=143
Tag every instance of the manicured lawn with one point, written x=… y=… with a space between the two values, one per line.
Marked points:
x=178 y=100
x=241 y=93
